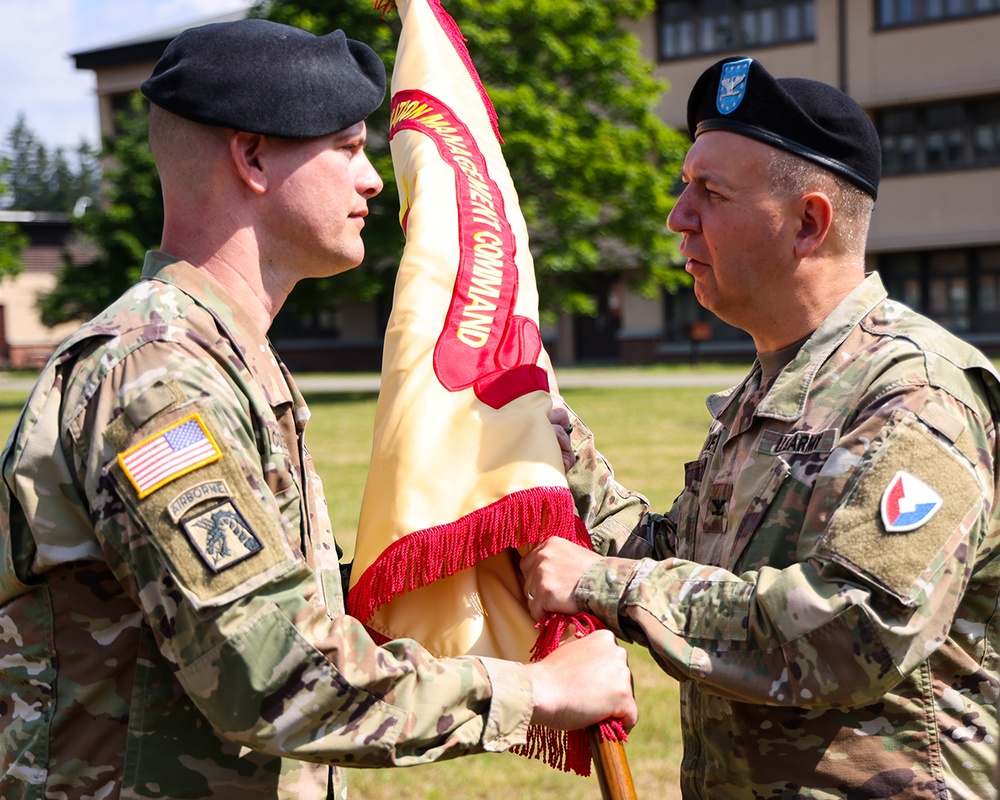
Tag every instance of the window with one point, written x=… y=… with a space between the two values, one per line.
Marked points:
x=958 y=288
x=942 y=136
x=901 y=277
x=986 y=132
x=988 y=297
x=949 y=289
x=698 y=27
x=899 y=13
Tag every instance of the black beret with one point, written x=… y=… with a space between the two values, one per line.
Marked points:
x=811 y=119
x=263 y=77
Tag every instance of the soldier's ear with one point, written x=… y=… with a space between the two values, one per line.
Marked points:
x=246 y=150
x=815 y=216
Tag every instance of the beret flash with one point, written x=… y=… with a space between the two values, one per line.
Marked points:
x=263 y=77
x=808 y=118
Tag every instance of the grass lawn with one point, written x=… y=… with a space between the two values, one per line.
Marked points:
x=647 y=434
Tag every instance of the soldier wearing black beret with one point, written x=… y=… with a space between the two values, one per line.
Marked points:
x=825 y=587
x=258 y=76
x=808 y=118
x=173 y=608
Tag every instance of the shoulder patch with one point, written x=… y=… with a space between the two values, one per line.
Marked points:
x=176 y=450
x=908 y=503
x=212 y=489
x=221 y=536
x=892 y=526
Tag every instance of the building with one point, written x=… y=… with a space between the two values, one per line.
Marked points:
x=120 y=67
x=927 y=71
x=25 y=343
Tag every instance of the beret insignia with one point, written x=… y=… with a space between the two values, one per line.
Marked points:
x=811 y=119
x=732 y=85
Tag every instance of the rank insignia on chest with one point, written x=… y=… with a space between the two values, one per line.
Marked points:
x=908 y=503
x=174 y=451
x=221 y=536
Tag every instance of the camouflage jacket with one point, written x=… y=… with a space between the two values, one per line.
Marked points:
x=826 y=585
x=171 y=610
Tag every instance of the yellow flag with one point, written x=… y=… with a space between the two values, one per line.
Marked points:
x=465 y=468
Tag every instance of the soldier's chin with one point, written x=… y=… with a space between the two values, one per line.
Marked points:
x=343 y=264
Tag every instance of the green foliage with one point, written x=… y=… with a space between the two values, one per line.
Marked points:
x=12 y=241
x=593 y=164
x=126 y=222
x=37 y=179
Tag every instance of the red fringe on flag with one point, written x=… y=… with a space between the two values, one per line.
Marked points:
x=525 y=517
x=529 y=516
x=566 y=750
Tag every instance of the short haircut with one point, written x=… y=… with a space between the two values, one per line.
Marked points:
x=789 y=174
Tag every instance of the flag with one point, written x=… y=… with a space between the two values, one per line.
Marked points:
x=465 y=470
x=174 y=451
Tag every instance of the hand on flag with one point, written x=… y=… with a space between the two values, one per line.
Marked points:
x=551 y=572
x=559 y=417
x=559 y=701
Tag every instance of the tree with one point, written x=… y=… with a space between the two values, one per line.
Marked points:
x=33 y=179
x=38 y=179
x=127 y=221
x=593 y=164
x=12 y=241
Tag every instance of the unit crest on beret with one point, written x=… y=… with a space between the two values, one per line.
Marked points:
x=806 y=117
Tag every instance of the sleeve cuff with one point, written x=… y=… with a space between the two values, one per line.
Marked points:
x=511 y=705
x=601 y=588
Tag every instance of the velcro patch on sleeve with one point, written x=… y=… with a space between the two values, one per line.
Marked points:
x=916 y=479
x=215 y=534
x=176 y=450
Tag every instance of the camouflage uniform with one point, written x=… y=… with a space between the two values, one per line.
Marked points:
x=172 y=609
x=822 y=650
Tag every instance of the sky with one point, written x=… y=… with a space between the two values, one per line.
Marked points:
x=39 y=79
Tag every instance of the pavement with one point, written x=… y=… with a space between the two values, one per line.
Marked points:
x=713 y=377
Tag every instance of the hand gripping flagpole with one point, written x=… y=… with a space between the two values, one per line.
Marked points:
x=465 y=468
x=606 y=739
x=611 y=766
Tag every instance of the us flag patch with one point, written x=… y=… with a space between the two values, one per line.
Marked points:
x=175 y=451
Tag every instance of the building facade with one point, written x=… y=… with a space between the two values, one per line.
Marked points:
x=928 y=73
x=25 y=343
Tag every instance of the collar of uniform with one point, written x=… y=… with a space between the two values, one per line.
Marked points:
x=252 y=344
x=787 y=399
x=718 y=403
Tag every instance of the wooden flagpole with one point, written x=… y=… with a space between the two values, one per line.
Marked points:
x=611 y=766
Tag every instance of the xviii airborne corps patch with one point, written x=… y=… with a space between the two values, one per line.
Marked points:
x=221 y=536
